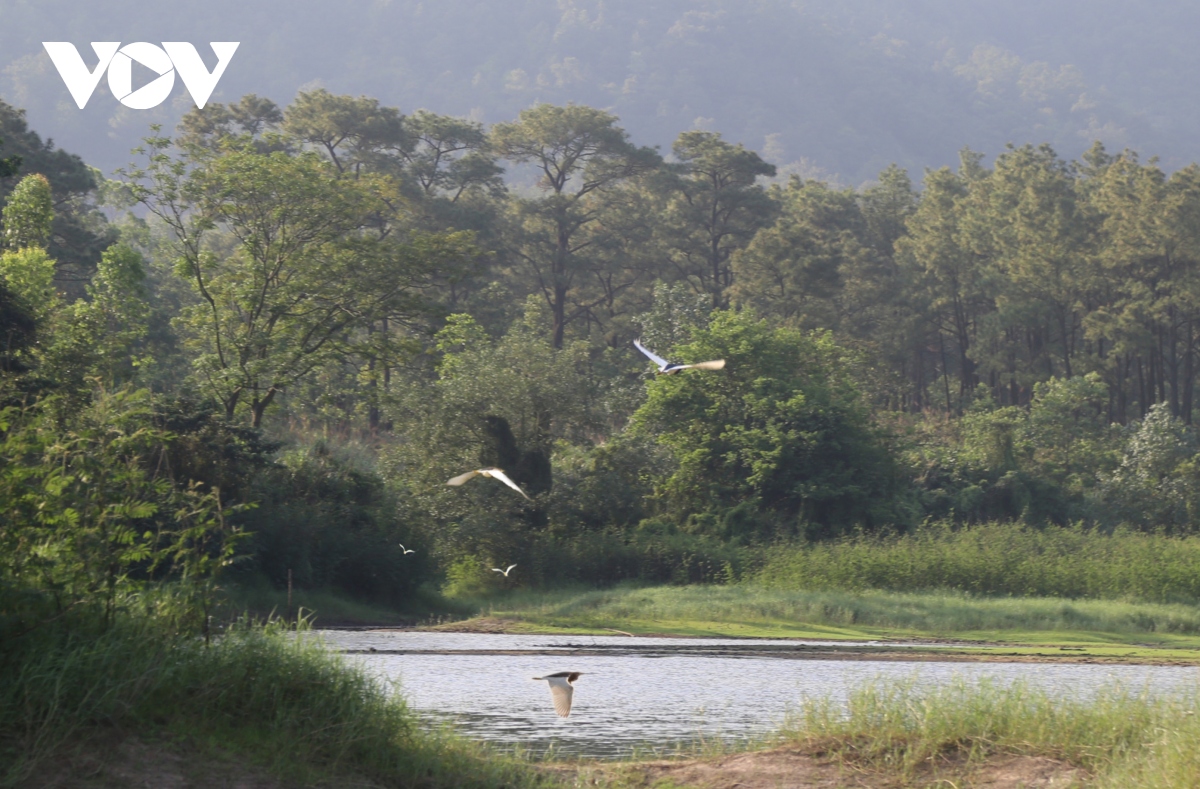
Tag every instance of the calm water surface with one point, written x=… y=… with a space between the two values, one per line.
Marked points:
x=652 y=695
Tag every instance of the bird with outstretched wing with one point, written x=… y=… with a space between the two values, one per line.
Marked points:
x=669 y=368
x=561 y=690
x=494 y=473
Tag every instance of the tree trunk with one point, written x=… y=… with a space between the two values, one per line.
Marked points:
x=559 y=276
x=945 y=372
x=1189 y=374
x=258 y=407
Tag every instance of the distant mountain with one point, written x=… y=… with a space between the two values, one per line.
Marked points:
x=834 y=87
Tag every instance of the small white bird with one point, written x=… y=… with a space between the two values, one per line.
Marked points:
x=494 y=473
x=504 y=572
x=561 y=690
x=406 y=550
x=668 y=368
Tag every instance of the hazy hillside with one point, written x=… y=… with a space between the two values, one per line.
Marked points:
x=841 y=87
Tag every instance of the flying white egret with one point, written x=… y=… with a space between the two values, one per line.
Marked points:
x=494 y=473
x=406 y=550
x=504 y=572
x=561 y=690
x=668 y=368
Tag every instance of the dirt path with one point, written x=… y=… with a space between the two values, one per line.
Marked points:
x=794 y=768
x=129 y=762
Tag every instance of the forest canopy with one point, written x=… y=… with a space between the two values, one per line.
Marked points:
x=304 y=319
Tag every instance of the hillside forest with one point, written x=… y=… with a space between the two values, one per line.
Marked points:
x=824 y=88
x=264 y=346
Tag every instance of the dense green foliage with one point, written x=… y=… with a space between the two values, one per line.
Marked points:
x=79 y=231
x=331 y=308
x=780 y=445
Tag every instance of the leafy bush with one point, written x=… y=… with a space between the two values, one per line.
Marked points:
x=779 y=442
x=1042 y=464
x=88 y=514
x=335 y=526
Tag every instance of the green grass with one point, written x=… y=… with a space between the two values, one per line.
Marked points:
x=998 y=559
x=1121 y=595
x=1120 y=738
x=284 y=704
x=1040 y=625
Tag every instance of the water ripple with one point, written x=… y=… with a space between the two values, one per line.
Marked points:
x=644 y=694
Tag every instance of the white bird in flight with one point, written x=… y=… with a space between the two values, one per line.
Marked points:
x=504 y=572
x=494 y=473
x=406 y=550
x=667 y=368
x=561 y=690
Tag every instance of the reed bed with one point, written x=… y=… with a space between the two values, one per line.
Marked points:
x=1119 y=738
x=998 y=559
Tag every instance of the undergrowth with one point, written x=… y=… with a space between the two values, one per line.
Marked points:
x=281 y=701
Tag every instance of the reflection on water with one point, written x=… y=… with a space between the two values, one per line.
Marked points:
x=653 y=694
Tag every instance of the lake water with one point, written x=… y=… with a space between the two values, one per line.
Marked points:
x=649 y=695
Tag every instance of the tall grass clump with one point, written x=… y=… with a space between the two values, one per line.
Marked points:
x=1120 y=738
x=280 y=700
x=998 y=559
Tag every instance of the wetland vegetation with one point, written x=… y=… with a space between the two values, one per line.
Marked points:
x=959 y=411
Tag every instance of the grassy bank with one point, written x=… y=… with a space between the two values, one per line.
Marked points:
x=283 y=704
x=1042 y=624
x=288 y=708
x=1118 y=739
x=998 y=559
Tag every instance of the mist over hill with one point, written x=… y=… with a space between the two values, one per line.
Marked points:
x=834 y=89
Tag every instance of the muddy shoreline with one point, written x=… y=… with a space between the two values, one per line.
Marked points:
x=922 y=650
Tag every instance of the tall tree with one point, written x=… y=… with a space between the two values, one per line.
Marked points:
x=28 y=214
x=8 y=166
x=352 y=132
x=713 y=207
x=449 y=156
x=436 y=175
x=214 y=123
x=296 y=273
x=1030 y=220
x=1148 y=255
x=581 y=156
x=949 y=278
x=794 y=269
x=79 y=232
